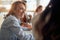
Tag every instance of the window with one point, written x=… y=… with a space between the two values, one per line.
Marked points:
x=31 y=6
x=44 y=3
x=5 y=2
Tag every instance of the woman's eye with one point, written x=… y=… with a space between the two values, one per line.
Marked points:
x=21 y=8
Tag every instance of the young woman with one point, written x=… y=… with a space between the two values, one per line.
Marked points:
x=38 y=10
x=11 y=28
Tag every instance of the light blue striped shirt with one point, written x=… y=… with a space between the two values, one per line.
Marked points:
x=11 y=30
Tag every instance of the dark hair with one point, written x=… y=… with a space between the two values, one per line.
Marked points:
x=50 y=30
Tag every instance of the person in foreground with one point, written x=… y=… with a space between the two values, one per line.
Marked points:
x=46 y=26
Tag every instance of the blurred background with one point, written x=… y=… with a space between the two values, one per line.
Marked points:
x=31 y=6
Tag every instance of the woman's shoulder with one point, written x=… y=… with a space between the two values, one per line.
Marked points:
x=10 y=18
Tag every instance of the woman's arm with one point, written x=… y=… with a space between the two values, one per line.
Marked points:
x=15 y=28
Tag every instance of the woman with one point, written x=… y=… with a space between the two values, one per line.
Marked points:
x=47 y=24
x=11 y=28
x=38 y=10
x=25 y=22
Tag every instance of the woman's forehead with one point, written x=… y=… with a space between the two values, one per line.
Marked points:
x=21 y=6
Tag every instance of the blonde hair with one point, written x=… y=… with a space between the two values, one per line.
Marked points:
x=13 y=7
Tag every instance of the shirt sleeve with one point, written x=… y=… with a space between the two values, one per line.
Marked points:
x=25 y=29
x=15 y=28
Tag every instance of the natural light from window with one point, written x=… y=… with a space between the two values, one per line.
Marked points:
x=44 y=3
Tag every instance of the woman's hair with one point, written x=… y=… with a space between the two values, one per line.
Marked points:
x=39 y=7
x=29 y=18
x=14 y=6
x=50 y=30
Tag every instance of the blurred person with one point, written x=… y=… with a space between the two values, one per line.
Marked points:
x=29 y=18
x=11 y=28
x=46 y=25
x=38 y=10
x=26 y=22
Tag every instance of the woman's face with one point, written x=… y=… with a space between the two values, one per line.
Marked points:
x=20 y=10
x=39 y=10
